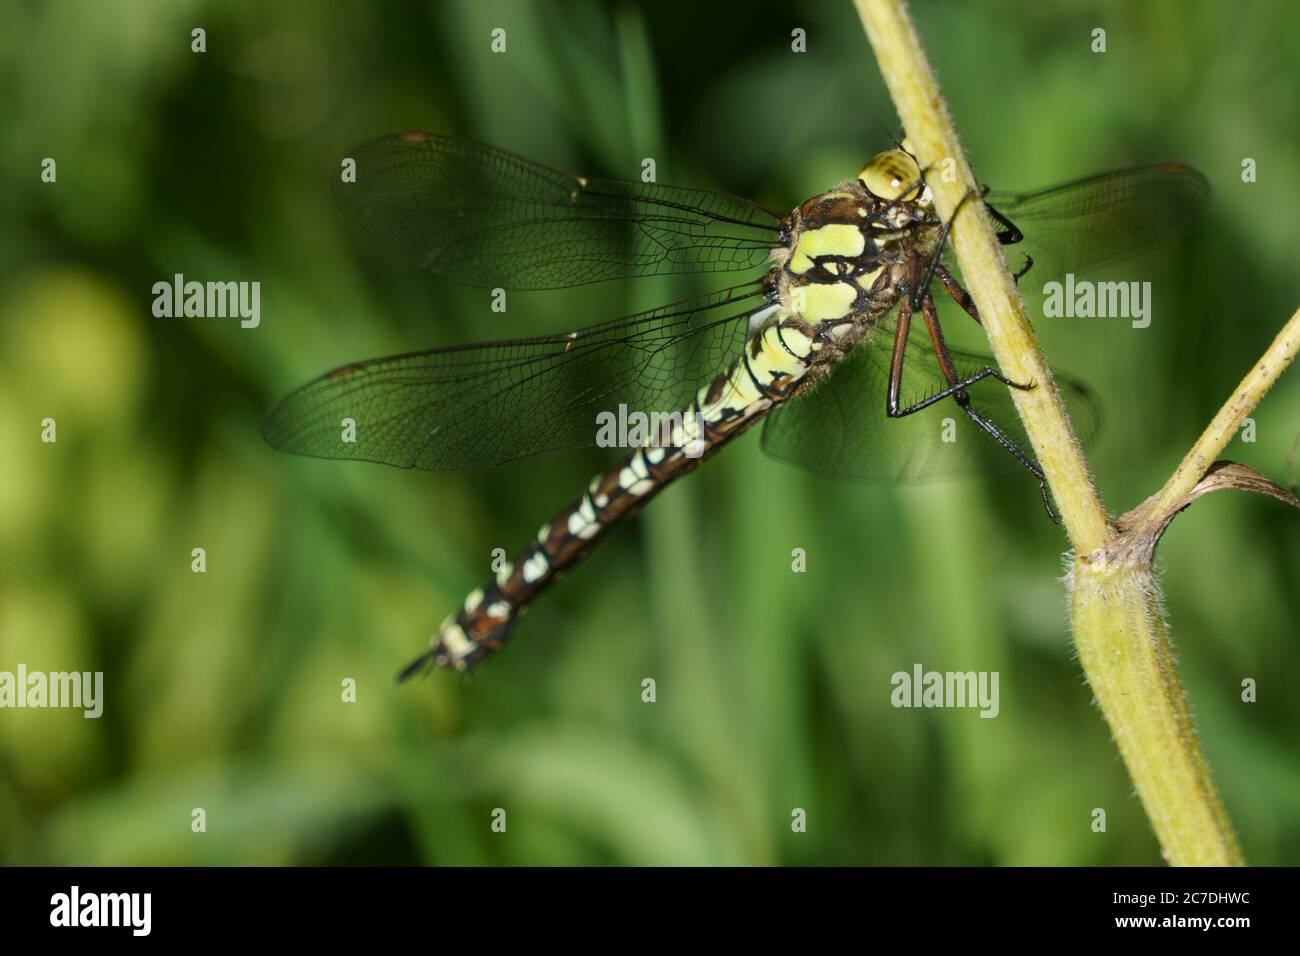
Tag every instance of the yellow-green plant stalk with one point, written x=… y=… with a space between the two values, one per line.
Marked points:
x=1115 y=600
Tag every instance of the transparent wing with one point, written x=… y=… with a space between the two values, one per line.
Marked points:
x=473 y=406
x=486 y=217
x=1095 y=222
x=840 y=428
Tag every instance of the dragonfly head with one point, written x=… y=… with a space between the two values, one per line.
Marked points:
x=893 y=176
x=850 y=231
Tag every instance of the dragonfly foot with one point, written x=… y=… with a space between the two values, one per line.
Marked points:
x=1047 y=501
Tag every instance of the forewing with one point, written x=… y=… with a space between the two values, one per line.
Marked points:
x=486 y=217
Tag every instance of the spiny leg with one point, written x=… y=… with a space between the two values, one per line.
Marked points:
x=1020 y=456
x=958 y=294
x=956 y=388
x=963 y=299
x=920 y=297
x=1008 y=235
x=923 y=287
x=896 y=357
x=936 y=267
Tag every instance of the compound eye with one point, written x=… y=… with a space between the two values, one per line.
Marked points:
x=892 y=175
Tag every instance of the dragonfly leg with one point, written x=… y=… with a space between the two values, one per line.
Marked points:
x=957 y=389
x=1010 y=233
x=962 y=297
x=896 y=357
x=923 y=287
x=958 y=294
x=1016 y=453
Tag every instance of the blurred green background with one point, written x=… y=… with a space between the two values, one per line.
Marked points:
x=223 y=688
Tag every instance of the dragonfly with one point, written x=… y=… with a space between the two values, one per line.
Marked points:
x=835 y=345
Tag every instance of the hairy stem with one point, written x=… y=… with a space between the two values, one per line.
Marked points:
x=1117 y=619
x=1123 y=644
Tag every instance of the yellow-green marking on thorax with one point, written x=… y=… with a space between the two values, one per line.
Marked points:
x=819 y=301
x=835 y=239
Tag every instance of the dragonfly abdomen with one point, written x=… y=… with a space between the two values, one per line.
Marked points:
x=770 y=368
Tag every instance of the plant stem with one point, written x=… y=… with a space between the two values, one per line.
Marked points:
x=1223 y=427
x=1118 y=625
x=1123 y=644
x=916 y=95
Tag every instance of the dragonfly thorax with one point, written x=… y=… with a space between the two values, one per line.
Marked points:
x=850 y=252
